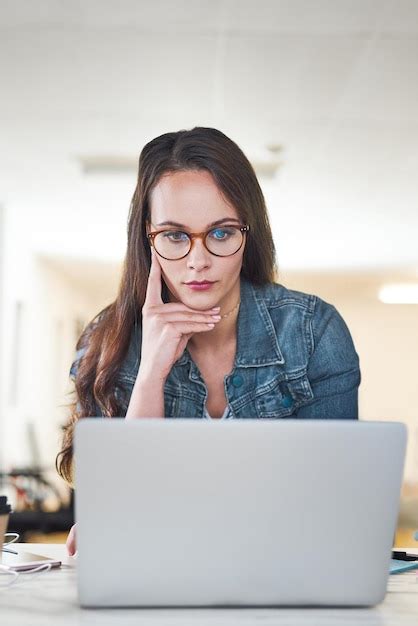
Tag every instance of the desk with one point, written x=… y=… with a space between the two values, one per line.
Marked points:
x=52 y=599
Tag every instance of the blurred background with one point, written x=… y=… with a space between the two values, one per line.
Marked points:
x=323 y=99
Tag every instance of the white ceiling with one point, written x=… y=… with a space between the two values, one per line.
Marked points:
x=333 y=81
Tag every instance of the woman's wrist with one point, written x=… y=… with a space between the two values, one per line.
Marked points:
x=145 y=379
x=147 y=398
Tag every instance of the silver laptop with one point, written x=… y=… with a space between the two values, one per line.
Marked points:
x=189 y=512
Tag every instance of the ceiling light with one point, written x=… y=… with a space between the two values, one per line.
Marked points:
x=399 y=293
x=112 y=164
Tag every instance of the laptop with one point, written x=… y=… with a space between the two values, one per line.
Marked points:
x=197 y=513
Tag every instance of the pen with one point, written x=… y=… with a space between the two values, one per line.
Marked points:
x=404 y=556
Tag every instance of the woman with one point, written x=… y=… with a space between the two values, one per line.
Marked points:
x=199 y=328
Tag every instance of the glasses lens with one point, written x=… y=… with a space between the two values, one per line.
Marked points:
x=172 y=244
x=224 y=240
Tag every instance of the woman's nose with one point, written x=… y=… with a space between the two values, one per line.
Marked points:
x=198 y=257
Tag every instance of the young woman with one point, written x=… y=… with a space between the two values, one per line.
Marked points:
x=199 y=328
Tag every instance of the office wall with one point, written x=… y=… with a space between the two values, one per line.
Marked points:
x=43 y=310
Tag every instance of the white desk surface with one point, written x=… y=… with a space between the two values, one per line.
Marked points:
x=52 y=598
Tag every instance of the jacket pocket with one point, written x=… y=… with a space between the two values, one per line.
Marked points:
x=170 y=403
x=282 y=398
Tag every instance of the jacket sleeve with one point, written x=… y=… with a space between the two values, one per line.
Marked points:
x=333 y=367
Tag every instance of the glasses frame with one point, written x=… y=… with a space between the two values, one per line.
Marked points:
x=244 y=228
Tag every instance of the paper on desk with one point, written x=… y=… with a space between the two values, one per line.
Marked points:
x=404 y=582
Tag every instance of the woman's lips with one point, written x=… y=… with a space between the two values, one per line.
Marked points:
x=200 y=286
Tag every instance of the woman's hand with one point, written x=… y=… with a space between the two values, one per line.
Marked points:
x=167 y=327
x=71 y=541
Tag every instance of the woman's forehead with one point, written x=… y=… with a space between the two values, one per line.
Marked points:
x=186 y=197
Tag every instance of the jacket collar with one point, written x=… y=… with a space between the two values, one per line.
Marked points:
x=254 y=328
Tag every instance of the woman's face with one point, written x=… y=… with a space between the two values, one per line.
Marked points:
x=191 y=201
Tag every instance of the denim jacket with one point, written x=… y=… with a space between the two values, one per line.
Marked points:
x=295 y=358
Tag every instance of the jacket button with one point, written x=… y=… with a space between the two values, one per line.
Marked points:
x=287 y=401
x=237 y=380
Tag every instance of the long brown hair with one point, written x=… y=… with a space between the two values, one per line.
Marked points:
x=106 y=337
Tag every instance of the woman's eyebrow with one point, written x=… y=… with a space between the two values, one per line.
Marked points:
x=224 y=219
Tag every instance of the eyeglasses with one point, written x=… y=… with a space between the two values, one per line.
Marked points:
x=220 y=241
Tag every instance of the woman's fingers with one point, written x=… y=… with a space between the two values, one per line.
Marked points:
x=179 y=306
x=180 y=316
x=184 y=328
x=167 y=326
x=71 y=541
x=153 y=293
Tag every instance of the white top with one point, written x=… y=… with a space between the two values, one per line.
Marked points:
x=226 y=414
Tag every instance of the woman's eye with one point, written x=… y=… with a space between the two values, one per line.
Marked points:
x=221 y=233
x=176 y=235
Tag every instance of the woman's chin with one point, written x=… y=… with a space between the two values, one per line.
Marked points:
x=199 y=298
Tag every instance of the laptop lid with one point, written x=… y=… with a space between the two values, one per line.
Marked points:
x=184 y=512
